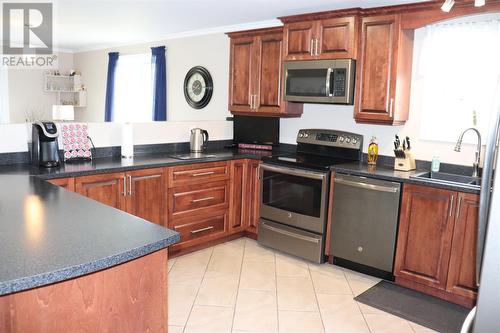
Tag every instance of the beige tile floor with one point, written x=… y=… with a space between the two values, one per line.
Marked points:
x=241 y=287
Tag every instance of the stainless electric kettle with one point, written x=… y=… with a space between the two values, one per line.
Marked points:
x=199 y=140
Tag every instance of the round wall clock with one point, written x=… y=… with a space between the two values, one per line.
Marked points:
x=198 y=87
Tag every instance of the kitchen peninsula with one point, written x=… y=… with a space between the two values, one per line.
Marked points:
x=69 y=263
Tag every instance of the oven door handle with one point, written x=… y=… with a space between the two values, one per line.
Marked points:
x=294 y=172
x=288 y=233
x=366 y=185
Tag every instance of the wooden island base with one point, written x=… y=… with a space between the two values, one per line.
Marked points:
x=131 y=297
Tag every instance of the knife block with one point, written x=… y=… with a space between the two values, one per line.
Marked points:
x=405 y=164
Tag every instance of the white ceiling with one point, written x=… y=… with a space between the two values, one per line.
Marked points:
x=93 y=24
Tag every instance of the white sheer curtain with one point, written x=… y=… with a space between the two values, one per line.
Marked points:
x=133 y=89
x=4 y=95
x=460 y=66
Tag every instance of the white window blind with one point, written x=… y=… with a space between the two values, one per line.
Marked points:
x=133 y=89
x=460 y=68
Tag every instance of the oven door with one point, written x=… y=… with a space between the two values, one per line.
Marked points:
x=294 y=197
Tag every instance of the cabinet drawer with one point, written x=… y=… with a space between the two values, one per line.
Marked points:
x=196 y=173
x=190 y=199
x=202 y=228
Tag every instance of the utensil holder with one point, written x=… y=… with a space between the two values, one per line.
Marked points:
x=405 y=164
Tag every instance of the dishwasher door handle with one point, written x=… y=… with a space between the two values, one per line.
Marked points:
x=367 y=186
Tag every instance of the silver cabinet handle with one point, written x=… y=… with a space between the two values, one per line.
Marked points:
x=203 y=174
x=202 y=199
x=451 y=204
x=288 y=233
x=367 y=186
x=251 y=102
x=316 y=46
x=124 y=186
x=311 y=46
x=129 y=185
x=328 y=77
x=458 y=207
x=391 y=103
x=201 y=230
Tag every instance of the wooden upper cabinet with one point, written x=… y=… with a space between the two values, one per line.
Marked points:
x=425 y=235
x=108 y=188
x=299 y=40
x=240 y=76
x=383 y=71
x=147 y=194
x=270 y=58
x=462 y=270
x=256 y=74
x=328 y=38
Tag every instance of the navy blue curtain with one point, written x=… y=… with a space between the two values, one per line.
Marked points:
x=158 y=62
x=110 y=87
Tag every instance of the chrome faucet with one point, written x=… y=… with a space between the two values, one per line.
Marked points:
x=475 y=165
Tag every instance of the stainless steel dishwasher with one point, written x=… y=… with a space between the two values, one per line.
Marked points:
x=364 y=224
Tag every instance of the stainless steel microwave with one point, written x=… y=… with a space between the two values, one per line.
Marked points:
x=320 y=81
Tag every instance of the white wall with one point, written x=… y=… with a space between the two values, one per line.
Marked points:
x=26 y=91
x=210 y=51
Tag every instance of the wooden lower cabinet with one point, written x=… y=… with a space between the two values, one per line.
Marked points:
x=141 y=192
x=436 y=243
x=253 y=181
x=205 y=202
x=147 y=195
x=462 y=270
x=239 y=186
x=109 y=188
x=67 y=183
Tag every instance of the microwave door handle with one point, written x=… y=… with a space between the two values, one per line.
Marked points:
x=329 y=92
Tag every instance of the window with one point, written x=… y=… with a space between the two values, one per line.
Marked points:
x=4 y=96
x=460 y=71
x=133 y=94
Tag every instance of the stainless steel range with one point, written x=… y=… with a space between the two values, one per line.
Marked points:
x=295 y=188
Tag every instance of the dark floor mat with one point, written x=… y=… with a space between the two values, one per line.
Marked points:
x=428 y=311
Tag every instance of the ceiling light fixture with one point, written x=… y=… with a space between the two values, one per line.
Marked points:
x=479 y=3
x=446 y=7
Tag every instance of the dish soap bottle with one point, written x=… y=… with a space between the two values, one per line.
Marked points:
x=373 y=151
x=435 y=162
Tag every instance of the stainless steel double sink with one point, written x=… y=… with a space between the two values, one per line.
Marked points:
x=449 y=178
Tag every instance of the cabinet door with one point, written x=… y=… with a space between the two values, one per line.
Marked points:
x=338 y=38
x=424 y=236
x=299 y=40
x=108 y=188
x=376 y=70
x=239 y=198
x=67 y=183
x=253 y=192
x=268 y=80
x=146 y=195
x=241 y=81
x=462 y=269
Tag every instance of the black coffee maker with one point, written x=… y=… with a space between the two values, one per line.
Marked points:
x=44 y=146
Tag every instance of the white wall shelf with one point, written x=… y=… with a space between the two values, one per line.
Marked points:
x=69 y=89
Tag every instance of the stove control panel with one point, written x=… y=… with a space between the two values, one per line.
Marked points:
x=330 y=138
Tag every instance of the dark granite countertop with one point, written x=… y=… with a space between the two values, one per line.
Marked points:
x=118 y=164
x=48 y=234
x=388 y=173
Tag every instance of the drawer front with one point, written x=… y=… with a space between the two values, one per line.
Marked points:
x=208 y=227
x=196 y=173
x=190 y=199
